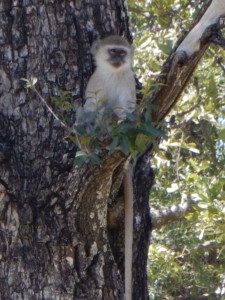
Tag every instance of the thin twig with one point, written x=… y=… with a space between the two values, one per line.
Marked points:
x=64 y=124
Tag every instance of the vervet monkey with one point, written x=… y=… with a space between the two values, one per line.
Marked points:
x=112 y=87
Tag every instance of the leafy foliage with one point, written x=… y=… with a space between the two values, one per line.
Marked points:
x=189 y=163
x=107 y=132
x=129 y=136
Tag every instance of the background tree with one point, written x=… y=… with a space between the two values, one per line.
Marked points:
x=187 y=202
x=58 y=240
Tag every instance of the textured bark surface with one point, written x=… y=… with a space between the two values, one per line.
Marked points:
x=54 y=236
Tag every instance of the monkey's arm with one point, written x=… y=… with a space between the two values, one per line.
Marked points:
x=89 y=115
x=93 y=93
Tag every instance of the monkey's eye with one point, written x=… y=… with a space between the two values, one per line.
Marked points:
x=113 y=51
x=122 y=52
x=117 y=52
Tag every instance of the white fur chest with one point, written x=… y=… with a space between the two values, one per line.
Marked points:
x=117 y=86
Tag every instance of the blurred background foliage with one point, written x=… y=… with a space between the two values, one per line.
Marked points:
x=187 y=257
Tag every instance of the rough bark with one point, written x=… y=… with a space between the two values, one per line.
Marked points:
x=54 y=239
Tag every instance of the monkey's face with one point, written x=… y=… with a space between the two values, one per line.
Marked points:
x=114 y=57
x=117 y=56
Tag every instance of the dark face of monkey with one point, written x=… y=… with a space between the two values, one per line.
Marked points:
x=117 y=56
x=113 y=53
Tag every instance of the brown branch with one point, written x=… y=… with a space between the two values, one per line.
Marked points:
x=168 y=95
x=167 y=215
x=209 y=245
x=140 y=12
x=181 y=64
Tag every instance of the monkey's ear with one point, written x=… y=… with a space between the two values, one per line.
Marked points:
x=95 y=46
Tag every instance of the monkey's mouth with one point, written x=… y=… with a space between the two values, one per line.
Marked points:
x=116 y=65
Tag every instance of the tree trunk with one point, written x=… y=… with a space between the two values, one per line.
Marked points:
x=55 y=242
x=59 y=238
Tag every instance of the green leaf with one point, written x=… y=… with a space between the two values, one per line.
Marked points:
x=124 y=145
x=148 y=129
x=211 y=88
x=113 y=145
x=81 y=153
x=95 y=159
x=80 y=158
x=72 y=138
x=66 y=95
x=131 y=117
x=56 y=100
x=80 y=130
x=124 y=127
x=66 y=106
x=164 y=20
x=133 y=155
x=140 y=142
x=166 y=48
x=222 y=135
x=192 y=216
x=85 y=140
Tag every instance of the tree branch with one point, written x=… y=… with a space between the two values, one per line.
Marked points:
x=140 y=12
x=208 y=245
x=167 y=215
x=181 y=64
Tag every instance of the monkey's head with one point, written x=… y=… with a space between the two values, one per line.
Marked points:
x=113 y=52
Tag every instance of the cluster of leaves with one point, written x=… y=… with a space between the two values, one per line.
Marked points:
x=64 y=104
x=106 y=132
x=190 y=165
x=130 y=136
x=190 y=161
